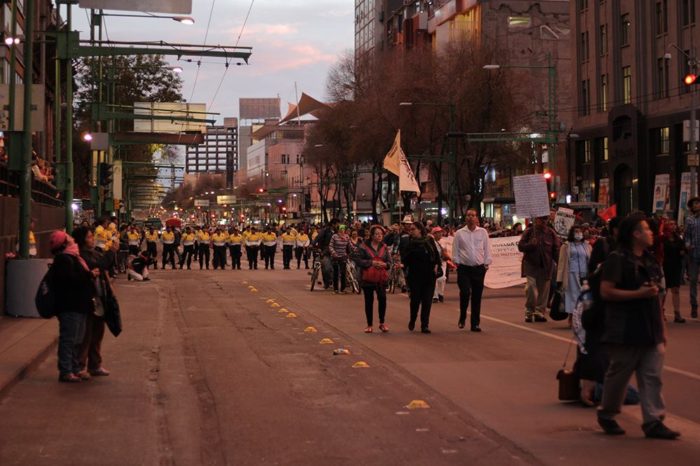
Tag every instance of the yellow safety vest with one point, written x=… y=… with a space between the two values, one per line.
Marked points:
x=188 y=239
x=168 y=237
x=235 y=239
x=303 y=240
x=288 y=239
x=269 y=239
x=152 y=238
x=219 y=239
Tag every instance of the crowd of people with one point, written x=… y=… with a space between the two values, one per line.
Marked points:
x=622 y=273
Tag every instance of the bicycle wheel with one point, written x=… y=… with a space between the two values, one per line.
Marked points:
x=353 y=281
x=314 y=277
x=392 y=281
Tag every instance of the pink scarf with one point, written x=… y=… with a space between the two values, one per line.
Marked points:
x=75 y=252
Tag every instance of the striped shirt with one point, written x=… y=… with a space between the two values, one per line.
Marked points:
x=339 y=246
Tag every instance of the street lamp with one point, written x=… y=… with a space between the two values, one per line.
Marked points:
x=188 y=20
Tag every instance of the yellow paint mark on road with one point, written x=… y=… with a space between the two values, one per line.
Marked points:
x=291 y=315
x=417 y=404
x=326 y=341
x=282 y=311
x=360 y=365
x=254 y=290
x=270 y=301
x=274 y=305
x=310 y=330
x=244 y=282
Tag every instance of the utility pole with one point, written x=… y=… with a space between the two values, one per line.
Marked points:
x=692 y=151
x=68 y=194
x=25 y=181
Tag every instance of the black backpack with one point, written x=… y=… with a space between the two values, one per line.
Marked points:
x=45 y=299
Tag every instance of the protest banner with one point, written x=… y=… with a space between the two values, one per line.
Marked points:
x=505 y=269
x=563 y=221
x=531 y=196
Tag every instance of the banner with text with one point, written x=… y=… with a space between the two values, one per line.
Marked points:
x=505 y=269
x=662 y=190
x=531 y=197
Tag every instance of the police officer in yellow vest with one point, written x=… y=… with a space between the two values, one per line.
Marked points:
x=188 y=238
x=168 y=239
x=152 y=245
x=102 y=235
x=204 y=241
x=235 y=239
x=288 y=242
x=302 y=249
x=134 y=240
x=253 y=240
x=219 y=239
x=269 y=239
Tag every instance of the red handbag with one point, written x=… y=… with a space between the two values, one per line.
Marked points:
x=372 y=274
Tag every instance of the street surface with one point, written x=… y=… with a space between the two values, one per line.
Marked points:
x=211 y=370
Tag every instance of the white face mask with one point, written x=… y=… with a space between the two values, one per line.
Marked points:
x=578 y=236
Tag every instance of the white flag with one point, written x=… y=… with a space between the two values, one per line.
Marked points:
x=392 y=160
x=407 y=180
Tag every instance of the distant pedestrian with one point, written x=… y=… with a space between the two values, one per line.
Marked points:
x=423 y=265
x=373 y=260
x=692 y=243
x=673 y=255
x=572 y=267
x=540 y=247
x=439 y=294
x=471 y=252
x=634 y=329
x=72 y=282
x=339 y=249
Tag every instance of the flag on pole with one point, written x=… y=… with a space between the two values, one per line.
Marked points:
x=396 y=162
x=392 y=160
x=609 y=213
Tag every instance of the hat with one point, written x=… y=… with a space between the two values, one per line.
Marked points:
x=407 y=219
x=342 y=227
x=437 y=230
x=57 y=239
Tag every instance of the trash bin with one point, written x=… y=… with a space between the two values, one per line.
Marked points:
x=22 y=280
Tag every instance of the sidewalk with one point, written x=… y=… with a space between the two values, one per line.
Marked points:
x=24 y=343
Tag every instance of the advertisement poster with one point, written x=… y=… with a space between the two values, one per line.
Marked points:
x=662 y=191
x=604 y=191
x=505 y=270
x=684 y=195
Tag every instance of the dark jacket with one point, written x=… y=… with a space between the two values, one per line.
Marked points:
x=363 y=258
x=74 y=286
x=541 y=250
x=420 y=260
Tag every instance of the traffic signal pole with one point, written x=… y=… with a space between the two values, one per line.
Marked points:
x=692 y=153
x=68 y=195
x=25 y=181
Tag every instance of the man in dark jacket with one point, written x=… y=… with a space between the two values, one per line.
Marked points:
x=540 y=246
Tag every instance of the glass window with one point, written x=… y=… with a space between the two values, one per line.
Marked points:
x=605 y=150
x=661 y=78
x=664 y=141
x=603 y=40
x=584 y=46
x=586 y=151
x=662 y=17
x=687 y=12
x=585 y=97
x=625 y=27
x=603 y=97
x=582 y=4
x=627 y=84
x=519 y=21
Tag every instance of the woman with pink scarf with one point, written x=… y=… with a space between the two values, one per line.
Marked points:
x=73 y=284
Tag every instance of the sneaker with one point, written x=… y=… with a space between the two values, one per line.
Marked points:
x=659 y=430
x=84 y=375
x=460 y=324
x=476 y=328
x=435 y=300
x=539 y=318
x=384 y=328
x=369 y=330
x=425 y=330
x=610 y=426
x=100 y=372
x=411 y=325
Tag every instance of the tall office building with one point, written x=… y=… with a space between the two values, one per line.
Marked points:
x=218 y=153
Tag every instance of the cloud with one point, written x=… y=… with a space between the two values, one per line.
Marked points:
x=268 y=30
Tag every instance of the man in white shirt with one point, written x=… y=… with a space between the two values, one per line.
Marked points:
x=471 y=252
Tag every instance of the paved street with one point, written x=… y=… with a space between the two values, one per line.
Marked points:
x=209 y=371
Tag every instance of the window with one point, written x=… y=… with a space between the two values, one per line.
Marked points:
x=603 y=97
x=582 y=5
x=586 y=151
x=662 y=17
x=661 y=78
x=585 y=97
x=603 y=40
x=687 y=12
x=519 y=21
x=626 y=84
x=605 y=150
x=664 y=141
x=584 y=46
x=625 y=26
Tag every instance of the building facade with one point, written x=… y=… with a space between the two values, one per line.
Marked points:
x=218 y=153
x=628 y=145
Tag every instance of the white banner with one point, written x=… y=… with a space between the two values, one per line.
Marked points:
x=506 y=268
x=531 y=197
x=662 y=190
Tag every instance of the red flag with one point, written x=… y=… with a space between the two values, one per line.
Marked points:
x=609 y=213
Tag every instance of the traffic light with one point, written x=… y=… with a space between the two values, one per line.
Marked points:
x=690 y=79
x=549 y=178
x=261 y=190
x=105 y=174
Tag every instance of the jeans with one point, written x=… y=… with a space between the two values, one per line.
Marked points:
x=693 y=266
x=471 y=285
x=339 y=272
x=369 y=302
x=71 y=332
x=91 y=348
x=647 y=362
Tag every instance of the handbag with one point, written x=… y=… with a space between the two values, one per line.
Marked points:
x=372 y=274
x=557 y=312
x=569 y=388
x=112 y=316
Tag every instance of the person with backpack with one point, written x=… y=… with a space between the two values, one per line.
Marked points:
x=373 y=260
x=72 y=283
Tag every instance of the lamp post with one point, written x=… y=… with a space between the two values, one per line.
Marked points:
x=552 y=131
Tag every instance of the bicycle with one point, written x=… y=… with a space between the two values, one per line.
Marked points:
x=351 y=276
x=396 y=277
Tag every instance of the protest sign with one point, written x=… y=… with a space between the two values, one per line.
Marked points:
x=505 y=269
x=531 y=197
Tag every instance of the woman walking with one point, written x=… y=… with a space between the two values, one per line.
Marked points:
x=424 y=266
x=572 y=268
x=339 y=248
x=373 y=260
x=90 y=350
x=72 y=282
x=674 y=253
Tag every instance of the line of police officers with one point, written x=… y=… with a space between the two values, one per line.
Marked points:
x=198 y=242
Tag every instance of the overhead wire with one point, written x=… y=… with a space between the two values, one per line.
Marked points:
x=206 y=36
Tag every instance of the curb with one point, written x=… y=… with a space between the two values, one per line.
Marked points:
x=27 y=367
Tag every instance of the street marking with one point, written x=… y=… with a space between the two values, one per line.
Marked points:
x=674 y=370
x=310 y=330
x=422 y=429
x=360 y=365
x=402 y=413
x=274 y=305
x=448 y=452
x=269 y=301
x=417 y=404
x=291 y=315
x=341 y=352
x=282 y=311
x=326 y=341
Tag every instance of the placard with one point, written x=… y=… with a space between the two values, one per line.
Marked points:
x=563 y=221
x=531 y=197
x=226 y=199
x=604 y=191
x=684 y=195
x=506 y=266
x=662 y=185
x=201 y=202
